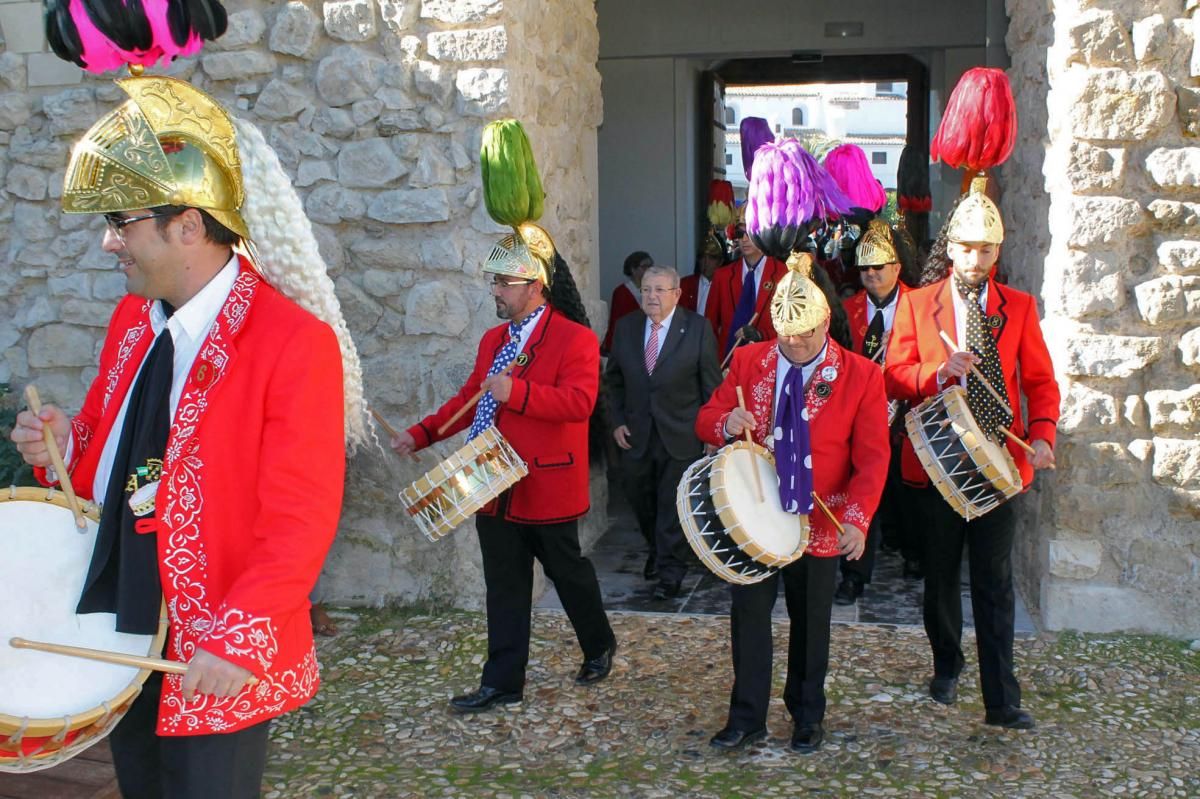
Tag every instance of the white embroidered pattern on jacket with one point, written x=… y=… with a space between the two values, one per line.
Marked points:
x=132 y=336
x=812 y=398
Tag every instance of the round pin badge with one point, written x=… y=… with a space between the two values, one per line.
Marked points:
x=994 y=321
x=823 y=390
x=522 y=359
x=829 y=374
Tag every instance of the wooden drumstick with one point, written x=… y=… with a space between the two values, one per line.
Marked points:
x=391 y=431
x=825 y=509
x=737 y=341
x=987 y=384
x=64 y=479
x=103 y=656
x=471 y=402
x=753 y=463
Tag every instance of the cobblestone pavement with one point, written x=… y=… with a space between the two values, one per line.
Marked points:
x=1117 y=716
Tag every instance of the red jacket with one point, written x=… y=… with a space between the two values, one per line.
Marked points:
x=857 y=311
x=545 y=419
x=727 y=289
x=848 y=430
x=916 y=350
x=623 y=301
x=251 y=492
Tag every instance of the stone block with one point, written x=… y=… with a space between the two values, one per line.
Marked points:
x=15 y=110
x=60 y=345
x=313 y=171
x=24 y=148
x=1189 y=347
x=12 y=71
x=1074 y=559
x=399 y=16
x=1090 y=283
x=1171 y=409
x=433 y=81
x=1084 y=508
x=331 y=203
x=360 y=311
x=1188 y=103
x=1176 y=461
x=1103 y=465
x=1093 y=355
x=348 y=74
x=280 y=100
x=1180 y=257
x=245 y=28
x=1095 y=169
x=26 y=182
x=410 y=206
x=1175 y=167
x=1115 y=105
x=1175 y=215
x=1098 y=38
x=88 y=313
x=71 y=111
x=1104 y=220
x=1096 y=608
x=482 y=92
x=1084 y=410
x=350 y=20
x=393 y=123
x=442 y=251
x=108 y=286
x=336 y=122
x=1151 y=38
x=383 y=283
x=436 y=306
x=47 y=69
x=238 y=64
x=365 y=111
x=1169 y=299
x=369 y=163
x=457 y=12
x=21 y=24
x=395 y=99
x=295 y=31
x=433 y=169
x=487 y=44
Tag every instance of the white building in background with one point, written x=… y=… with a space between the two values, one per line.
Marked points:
x=872 y=115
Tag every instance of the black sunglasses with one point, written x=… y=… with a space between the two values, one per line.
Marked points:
x=872 y=266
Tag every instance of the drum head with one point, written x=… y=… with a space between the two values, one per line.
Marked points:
x=763 y=529
x=42 y=571
x=705 y=533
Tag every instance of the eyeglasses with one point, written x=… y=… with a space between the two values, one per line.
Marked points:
x=876 y=267
x=117 y=224
x=657 y=290
x=501 y=283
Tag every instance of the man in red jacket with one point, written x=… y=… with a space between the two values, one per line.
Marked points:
x=542 y=408
x=802 y=386
x=741 y=290
x=221 y=400
x=997 y=331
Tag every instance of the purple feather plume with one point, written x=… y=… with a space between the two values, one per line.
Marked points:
x=848 y=166
x=755 y=133
x=789 y=192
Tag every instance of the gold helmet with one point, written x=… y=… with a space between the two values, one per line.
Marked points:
x=712 y=246
x=169 y=144
x=876 y=246
x=799 y=305
x=977 y=219
x=527 y=253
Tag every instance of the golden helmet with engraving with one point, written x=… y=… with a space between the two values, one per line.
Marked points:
x=798 y=305
x=876 y=246
x=169 y=144
x=526 y=253
x=976 y=219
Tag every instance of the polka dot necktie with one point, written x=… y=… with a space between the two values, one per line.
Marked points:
x=485 y=411
x=793 y=448
x=989 y=414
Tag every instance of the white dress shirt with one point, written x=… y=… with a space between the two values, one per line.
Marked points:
x=783 y=366
x=702 y=294
x=752 y=273
x=888 y=311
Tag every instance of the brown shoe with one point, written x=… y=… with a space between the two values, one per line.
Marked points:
x=321 y=623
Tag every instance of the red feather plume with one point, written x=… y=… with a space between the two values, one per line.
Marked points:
x=979 y=128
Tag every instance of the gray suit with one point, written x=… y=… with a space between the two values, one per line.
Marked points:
x=660 y=410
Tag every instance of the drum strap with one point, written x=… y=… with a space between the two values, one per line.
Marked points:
x=123 y=575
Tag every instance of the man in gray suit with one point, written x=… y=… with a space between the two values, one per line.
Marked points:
x=661 y=369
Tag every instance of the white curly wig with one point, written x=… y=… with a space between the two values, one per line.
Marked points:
x=285 y=253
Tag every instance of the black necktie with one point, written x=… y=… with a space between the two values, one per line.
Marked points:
x=123 y=576
x=874 y=338
x=989 y=414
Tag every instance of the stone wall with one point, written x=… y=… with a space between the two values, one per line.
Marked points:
x=376 y=108
x=1105 y=223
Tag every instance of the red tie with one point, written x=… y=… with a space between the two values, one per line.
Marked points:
x=652 y=347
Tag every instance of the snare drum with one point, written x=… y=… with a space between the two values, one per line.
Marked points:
x=974 y=474
x=53 y=707
x=740 y=539
x=451 y=492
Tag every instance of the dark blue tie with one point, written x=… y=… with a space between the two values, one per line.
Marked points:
x=793 y=450
x=744 y=309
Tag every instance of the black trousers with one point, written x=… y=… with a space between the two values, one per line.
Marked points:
x=989 y=542
x=650 y=482
x=892 y=523
x=508 y=551
x=226 y=765
x=808 y=590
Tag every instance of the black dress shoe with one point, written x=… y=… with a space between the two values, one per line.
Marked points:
x=665 y=590
x=596 y=669
x=650 y=570
x=944 y=689
x=848 y=591
x=1010 y=717
x=807 y=737
x=731 y=739
x=483 y=698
